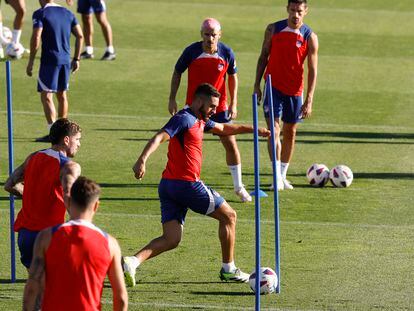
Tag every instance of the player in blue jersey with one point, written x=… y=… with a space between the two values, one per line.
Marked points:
x=52 y=26
x=98 y=7
x=181 y=189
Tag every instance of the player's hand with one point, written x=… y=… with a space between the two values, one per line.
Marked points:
x=306 y=110
x=69 y=2
x=172 y=106
x=139 y=169
x=232 y=112
x=264 y=132
x=29 y=69
x=258 y=91
x=75 y=65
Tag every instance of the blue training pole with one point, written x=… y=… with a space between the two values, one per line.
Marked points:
x=11 y=168
x=256 y=199
x=275 y=178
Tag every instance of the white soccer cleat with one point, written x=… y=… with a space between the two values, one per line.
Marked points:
x=243 y=194
x=129 y=271
x=287 y=185
x=280 y=185
x=236 y=276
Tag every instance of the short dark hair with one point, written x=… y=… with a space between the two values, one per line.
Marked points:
x=298 y=2
x=206 y=90
x=61 y=128
x=84 y=191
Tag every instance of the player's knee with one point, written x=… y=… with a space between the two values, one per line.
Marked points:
x=172 y=241
x=231 y=217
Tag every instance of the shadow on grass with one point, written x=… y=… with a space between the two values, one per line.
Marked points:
x=359 y=135
x=222 y=293
x=384 y=175
x=7 y=281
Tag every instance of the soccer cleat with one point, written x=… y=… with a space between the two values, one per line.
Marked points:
x=286 y=184
x=129 y=272
x=280 y=185
x=236 y=276
x=86 y=55
x=108 y=56
x=43 y=139
x=243 y=194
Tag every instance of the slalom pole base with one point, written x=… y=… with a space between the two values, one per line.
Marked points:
x=262 y=194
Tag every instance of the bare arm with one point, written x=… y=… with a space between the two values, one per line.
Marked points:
x=34 y=46
x=263 y=60
x=14 y=184
x=225 y=129
x=312 y=74
x=77 y=31
x=33 y=291
x=68 y=175
x=152 y=145
x=175 y=84
x=116 y=277
x=233 y=86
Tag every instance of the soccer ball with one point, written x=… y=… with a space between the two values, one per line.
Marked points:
x=268 y=281
x=341 y=176
x=318 y=175
x=14 y=50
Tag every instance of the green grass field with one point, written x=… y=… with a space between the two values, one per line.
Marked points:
x=341 y=249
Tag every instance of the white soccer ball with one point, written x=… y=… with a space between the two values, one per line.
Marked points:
x=268 y=281
x=14 y=50
x=341 y=176
x=318 y=175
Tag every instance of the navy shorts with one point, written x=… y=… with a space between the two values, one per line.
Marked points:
x=91 y=6
x=26 y=240
x=53 y=78
x=177 y=196
x=285 y=106
x=221 y=117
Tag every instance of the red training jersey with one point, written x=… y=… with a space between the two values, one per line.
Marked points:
x=185 y=146
x=43 y=204
x=287 y=54
x=77 y=261
x=207 y=68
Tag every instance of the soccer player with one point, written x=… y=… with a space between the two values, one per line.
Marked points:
x=19 y=7
x=98 y=7
x=44 y=181
x=181 y=189
x=53 y=25
x=210 y=61
x=287 y=43
x=71 y=260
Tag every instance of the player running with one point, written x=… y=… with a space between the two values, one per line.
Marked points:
x=71 y=260
x=181 y=188
x=44 y=181
x=287 y=43
x=211 y=61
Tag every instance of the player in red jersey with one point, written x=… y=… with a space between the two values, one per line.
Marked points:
x=181 y=189
x=71 y=260
x=44 y=181
x=211 y=61
x=287 y=43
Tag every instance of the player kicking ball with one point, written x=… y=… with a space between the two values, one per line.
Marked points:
x=180 y=187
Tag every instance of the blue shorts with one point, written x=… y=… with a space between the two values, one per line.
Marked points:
x=221 y=117
x=177 y=196
x=91 y=6
x=53 y=78
x=285 y=106
x=26 y=240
